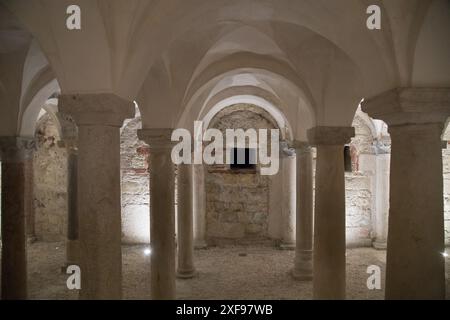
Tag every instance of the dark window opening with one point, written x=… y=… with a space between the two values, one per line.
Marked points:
x=243 y=158
x=347 y=159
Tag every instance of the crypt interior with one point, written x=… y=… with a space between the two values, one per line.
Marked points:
x=87 y=179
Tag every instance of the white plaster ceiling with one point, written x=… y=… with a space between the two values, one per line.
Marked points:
x=316 y=58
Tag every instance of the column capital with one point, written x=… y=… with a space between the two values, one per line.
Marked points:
x=285 y=149
x=69 y=129
x=332 y=136
x=70 y=144
x=301 y=147
x=17 y=149
x=402 y=106
x=420 y=132
x=381 y=148
x=157 y=138
x=96 y=109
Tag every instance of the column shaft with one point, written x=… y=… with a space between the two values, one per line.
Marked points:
x=29 y=200
x=415 y=267
x=99 y=118
x=185 y=223
x=72 y=251
x=329 y=213
x=14 y=153
x=304 y=230
x=288 y=168
x=329 y=224
x=199 y=206
x=162 y=213
x=382 y=200
x=99 y=212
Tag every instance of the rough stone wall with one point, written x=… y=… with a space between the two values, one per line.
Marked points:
x=237 y=205
x=50 y=174
x=237 y=202
x=358 y=197
x=135 y=184
x=358 y=190
x=446 y=171
x=50 y=178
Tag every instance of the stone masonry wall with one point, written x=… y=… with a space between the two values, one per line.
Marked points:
x=135 y=184
x=237 y=201
x=358 y=193
x=50 y=178
x=50 y=174
x=446 y=171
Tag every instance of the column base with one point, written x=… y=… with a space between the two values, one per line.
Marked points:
x=200 y=245
x=302 y=275
x=379 y=245
x=303 y=265
x=186 y=274
x=287 y=246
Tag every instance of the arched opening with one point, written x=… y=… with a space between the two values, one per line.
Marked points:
x=134 y=183
x=240 y=205
x=50 y=181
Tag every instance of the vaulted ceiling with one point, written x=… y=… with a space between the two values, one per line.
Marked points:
x=313 y=60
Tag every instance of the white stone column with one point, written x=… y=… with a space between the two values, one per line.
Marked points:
x=304 y=220
x=162 y=212
x=15 y=152
x=329 y=213
x=185 y=267
x=382 y=162
x=288 y=209
x=199 y=206
x=415 y=267
x=99 y=118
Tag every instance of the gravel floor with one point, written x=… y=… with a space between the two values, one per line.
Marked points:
x=224 y=273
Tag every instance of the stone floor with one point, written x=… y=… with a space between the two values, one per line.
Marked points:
x=224 y=273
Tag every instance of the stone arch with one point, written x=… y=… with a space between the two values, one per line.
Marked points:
x=291 y=104
x=275 y=114
x=238 y=202
x=134 y=182
x=31 y=112
x=50 y=178
x=364 y=140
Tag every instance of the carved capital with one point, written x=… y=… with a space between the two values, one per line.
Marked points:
x=285 y=149
x=302 y=147
x=157 y=139
x=16 y=149
x=403 y=106
x=69 y=130
x=70 y=144
x=333 y=136
x=96 y=109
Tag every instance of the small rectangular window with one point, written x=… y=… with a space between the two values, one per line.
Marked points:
x=347 y=159
x=243 y=158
